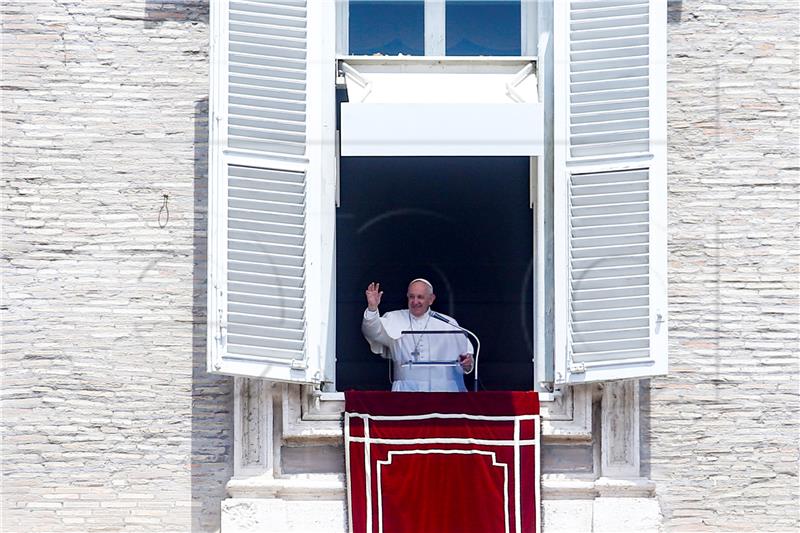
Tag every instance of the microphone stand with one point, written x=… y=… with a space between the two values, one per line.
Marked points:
x=444 y=319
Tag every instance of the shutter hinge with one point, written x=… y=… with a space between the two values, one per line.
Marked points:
x=221 y=331
x=299 y=364
x=577 y=368
x=659 y=322
x=221 y=325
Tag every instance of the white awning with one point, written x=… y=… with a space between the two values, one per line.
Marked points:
x=440 y=106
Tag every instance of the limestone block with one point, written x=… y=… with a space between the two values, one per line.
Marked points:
x=567 y=516
x=256 y=515
x=618 y=515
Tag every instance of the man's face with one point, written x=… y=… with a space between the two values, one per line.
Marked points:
x=420 y=298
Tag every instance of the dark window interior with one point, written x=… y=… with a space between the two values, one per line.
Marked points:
x=465 y=224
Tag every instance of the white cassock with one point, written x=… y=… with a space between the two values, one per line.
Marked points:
x=385 y=338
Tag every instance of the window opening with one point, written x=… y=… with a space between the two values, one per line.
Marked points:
x=465 y=224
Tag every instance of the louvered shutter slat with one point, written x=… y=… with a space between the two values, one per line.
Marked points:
x=581 y=304
x=267 y=300
x=281 y=231
x=608 y=209
x=267 y=315
x=628 y=75
x=600 y=283
x=247 y=275
x=241 y=12
x=243 y=182
x=267 y=147
x=292 y=295
x=261 y=335
x=264 y=248
x=578 y=317
x=624 y=9
x=601 y=273
x=274 y=268
x=267 y=81
x=258 y=356
x=587 y=111
x=609 y=325
x=261 y=256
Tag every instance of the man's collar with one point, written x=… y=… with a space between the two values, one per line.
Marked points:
x=423 y=316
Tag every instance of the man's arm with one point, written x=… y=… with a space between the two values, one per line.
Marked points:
x=371 y=325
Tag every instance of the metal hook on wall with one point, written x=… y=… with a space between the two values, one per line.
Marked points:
x=163 y=213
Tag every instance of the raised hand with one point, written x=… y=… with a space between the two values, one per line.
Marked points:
x=374 y=294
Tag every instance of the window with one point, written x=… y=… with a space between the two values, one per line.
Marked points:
x=390 y=27
x=465 y=224
x=483 y=28
x=600 y=187
x=437 y=27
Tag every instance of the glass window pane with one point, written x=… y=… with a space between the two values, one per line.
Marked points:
x=483 y=28
x=388 y=27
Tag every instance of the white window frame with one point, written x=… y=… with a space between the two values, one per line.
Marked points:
x=536 y=40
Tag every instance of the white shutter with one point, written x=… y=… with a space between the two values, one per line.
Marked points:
x=258 y=199
x=610 y=189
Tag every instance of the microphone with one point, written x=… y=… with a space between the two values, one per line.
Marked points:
x=443 y=318
x=446 y=320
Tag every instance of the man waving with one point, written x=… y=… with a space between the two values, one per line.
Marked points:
x=385 y=338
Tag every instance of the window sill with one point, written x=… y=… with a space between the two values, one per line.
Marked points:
x=566 y=416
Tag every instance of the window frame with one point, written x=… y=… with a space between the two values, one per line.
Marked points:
x=320 y=165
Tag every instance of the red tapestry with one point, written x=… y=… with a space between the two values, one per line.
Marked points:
x=442 y=462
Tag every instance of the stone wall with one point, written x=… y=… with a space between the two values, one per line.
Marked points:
x=111 y=422
x=722 y=442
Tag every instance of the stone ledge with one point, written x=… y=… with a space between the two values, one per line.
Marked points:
x=332 y=487
x=625 y=488
x=559 y=487
x=305 y=487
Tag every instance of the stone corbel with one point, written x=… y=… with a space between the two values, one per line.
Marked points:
x=252 y=407
x=619 y=443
